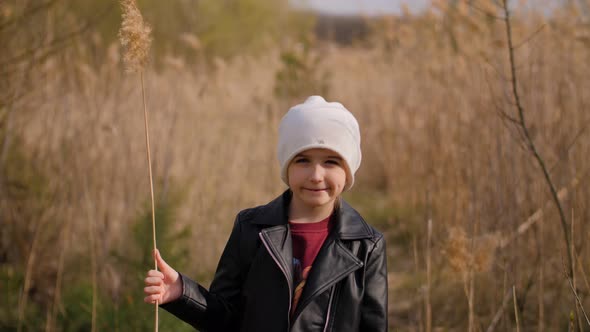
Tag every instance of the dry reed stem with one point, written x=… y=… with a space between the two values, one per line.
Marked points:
x=500 y=312
x=583 y=272
x=415 y=253
x=92 y=243
x=578 y=300
x=573 y=285
x=93 y=263
x=22 y=304
x=471 y=300
x=60 y=268
x=149 y=161
x=541 y=327
x=515 y=308
x=428 y=278
x=573 y=254
x=417 y=270
x=508 y=290
x=135 y=37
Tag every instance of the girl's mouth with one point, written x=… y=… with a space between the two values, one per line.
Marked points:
x=316 y=190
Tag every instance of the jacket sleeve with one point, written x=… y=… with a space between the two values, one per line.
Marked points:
x=374 y=302
x=218 y=308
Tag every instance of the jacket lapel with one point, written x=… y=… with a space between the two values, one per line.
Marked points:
x=276 y=235
x=279 y=245
x=332 y=264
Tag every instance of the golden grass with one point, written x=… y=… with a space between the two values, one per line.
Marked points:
x=432 y=141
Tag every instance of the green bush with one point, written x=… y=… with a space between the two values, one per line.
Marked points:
x=301 y=73
x=223 y=28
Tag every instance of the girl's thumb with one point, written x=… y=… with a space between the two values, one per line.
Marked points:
x=162 y=265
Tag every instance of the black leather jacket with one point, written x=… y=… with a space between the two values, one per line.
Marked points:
x=253 y=285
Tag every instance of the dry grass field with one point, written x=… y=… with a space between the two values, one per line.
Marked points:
x=433 y=94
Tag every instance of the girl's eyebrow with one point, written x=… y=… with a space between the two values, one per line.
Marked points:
x=303 y=155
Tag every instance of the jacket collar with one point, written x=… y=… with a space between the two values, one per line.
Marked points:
x=349 y=223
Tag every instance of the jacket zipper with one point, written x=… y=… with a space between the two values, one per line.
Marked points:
x=272 y=254
x=329 y=308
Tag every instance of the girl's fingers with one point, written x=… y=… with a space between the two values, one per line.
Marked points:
x=153 y=281
x=154 y=273
x=152 y=290
x=151 y=298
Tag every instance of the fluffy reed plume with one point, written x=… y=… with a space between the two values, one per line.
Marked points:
x=468 y=256
x=465 y=255
x=135 y=37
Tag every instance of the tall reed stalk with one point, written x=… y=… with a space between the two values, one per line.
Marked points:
x=149 y=162
x=22 y=303
x=58 y=281
x=135 y=37
x=515 y=308
x=428 y=278
x=93 y=263
x=572 y=281
x=541 y=327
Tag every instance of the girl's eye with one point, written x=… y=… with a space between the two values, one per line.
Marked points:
x=301 y=160
x=332 y=162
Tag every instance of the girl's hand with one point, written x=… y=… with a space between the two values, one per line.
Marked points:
x=162 y=286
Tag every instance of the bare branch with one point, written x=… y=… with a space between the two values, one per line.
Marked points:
x=497 y=2
x=525 y=131
x=55 y=44
x=576 y=137
x=529 y=38
x=472 y=5
x=498 y=72
x=28 y=13
x=505 y=116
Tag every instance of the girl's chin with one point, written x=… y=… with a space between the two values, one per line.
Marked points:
x=318 y=201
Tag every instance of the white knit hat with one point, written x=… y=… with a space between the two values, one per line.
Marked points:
x=319 y=124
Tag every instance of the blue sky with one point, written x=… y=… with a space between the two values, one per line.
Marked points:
x=374 y=7
x=367 y=7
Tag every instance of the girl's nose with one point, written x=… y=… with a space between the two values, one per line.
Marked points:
x=317 y=173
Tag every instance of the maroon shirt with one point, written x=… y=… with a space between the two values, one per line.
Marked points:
x=308 y=239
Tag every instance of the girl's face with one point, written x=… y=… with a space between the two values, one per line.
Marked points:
x=316 y=177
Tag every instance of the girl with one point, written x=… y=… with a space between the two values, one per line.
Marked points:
x=306 y=261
